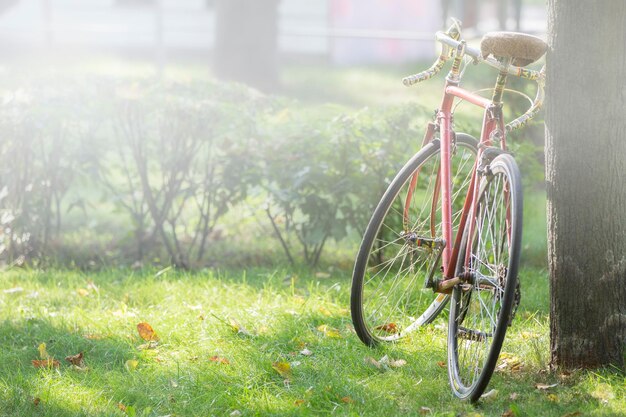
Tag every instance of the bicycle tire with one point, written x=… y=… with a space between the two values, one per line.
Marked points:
x=480 y=310
x=402 y=298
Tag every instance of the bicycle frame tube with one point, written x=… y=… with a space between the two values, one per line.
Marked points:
x=492 y=121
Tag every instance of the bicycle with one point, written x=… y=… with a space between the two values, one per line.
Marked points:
x=453 y=184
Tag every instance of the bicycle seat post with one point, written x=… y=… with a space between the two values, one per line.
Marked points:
x=501 y=81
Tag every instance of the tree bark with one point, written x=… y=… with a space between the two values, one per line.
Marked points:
x=586 y=180
x=246 y=41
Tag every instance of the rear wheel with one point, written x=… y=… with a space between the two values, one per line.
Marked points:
x=398 y=249
x=480 y=309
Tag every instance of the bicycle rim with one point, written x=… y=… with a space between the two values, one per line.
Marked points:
x=388 y=298
x=480 y=310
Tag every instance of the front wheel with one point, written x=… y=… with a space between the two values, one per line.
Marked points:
x=398 y=250
x=480 y=309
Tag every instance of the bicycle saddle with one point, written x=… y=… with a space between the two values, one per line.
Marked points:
x=524 y=49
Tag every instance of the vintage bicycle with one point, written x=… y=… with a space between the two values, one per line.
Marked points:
x=449 y=226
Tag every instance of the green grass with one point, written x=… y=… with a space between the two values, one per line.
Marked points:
x=282 y=311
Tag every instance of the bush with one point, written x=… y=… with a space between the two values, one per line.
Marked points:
x=140 y=171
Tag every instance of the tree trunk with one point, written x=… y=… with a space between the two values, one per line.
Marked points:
x=586 y=179
x=246 y=41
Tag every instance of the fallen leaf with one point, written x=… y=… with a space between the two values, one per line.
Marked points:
x=121 y=407
x=219 y=360
x=153 y=344
x=36 y=401
x=93 y=336
x=235 y=413
x=238 y=328
x=529 y=335
x=573 y=414
x=326 y=312
x=298 y=403
x=508 y=413
x=306 y=352
x=391 y=328
x=329 y=331
x=131 y=365
x=347 y=400
x=283 y=369
x=544 y=387
x=322 y=275
x=441 y=364
x=491 y=394
x=553 y=397
x=82 y=292
x=425 y=410
x=509 y=363
x=397 y=363
x=371 y=361
x=513 y=396
x=43 y=354
x=76 y=360
x=147 y=332
x=45 y=363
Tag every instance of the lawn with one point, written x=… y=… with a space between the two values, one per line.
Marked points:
x=255 y=342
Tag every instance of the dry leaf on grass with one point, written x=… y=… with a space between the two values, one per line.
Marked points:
x=298 y=403
x=425 y=410
x=326 y=312
x=146 y=332
x=553 y=397
x=329 y=331
x=43 y=353
x=36 y=401
x=489 y=395
x=283 y=369
x=131 y=365
x=238 y=327
x=347 y=400
x=82 y=292
x=306 y=352
x=77 y=361
x=509 y=363
x=508 y=413
x=153 y=344
x=45 y=363
x=391 y=328
x=392 y=363
x=371 y=361
x=543 y=387
x=218 y=359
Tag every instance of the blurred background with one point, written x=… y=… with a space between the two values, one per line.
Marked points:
x=223 y=132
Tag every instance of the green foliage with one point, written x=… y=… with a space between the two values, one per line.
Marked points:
x=138 y=171
x=324 y=172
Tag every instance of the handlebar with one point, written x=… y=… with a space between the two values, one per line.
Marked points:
x=451 y=42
